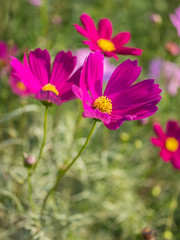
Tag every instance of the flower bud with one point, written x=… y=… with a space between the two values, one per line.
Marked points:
x=29 y=160
x=172 y=48
x=155 y=18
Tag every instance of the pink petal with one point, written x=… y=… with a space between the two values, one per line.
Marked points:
x=89 y=26
x=166 y=155
x=129 y=51
x=24 y=74
x=48 y=96
x=172 y=128
x=157 y=142
x=124 y=75
x=121 y=39
x=159 y=131
x=82 y=31
x=113 y=125
x=39 y=62
x=94 y=73
x=67 y=93
x=63 y=66
x=176 y=160
x=96 y=114
x=105 y=28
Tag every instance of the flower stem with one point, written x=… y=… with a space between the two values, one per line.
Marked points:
x=31 y=203
x=63 y=171
x=43 y=142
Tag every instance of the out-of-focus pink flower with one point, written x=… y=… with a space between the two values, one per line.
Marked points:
x=81 y=55
x=168 y=142
x=121 y=101
x=48 y=86
x=172 y=48
x=155 y=18
x=56 y=19
x=102 y=40
x=5 y=52
x=175 y=19
x=168 y=71
x=36 y=3
x=18 y=87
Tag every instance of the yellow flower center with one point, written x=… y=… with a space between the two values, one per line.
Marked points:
x=171 y=144
x=104 y=104
x=106 y=45
x=50 y=87
x=21 y=86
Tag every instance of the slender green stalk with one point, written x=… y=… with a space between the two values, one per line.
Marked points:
x=63 y=171
x=44 y=18
x=173 y=205
x=43 y=142
x=31 y=203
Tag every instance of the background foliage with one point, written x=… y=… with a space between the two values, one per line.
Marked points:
x=119 y=185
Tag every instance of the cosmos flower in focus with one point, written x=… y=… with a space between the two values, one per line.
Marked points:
x=168 y=71
x=82 y=53
x=18 y=87
x=121 y=101
x=168 y=142
x=175 y=19
x=5 y=52
x=36 y=3
x=52 y=87
x=101 y=38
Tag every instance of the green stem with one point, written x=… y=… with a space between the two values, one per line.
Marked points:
x=63 y=171
x=43 y=142
x=31 y=203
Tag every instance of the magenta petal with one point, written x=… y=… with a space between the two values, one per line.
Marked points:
x=89 y=26
x=129 y=51
x=24 y=74
x=105 y=28
x=176 y=160
x=96 y=114
x=159 y=131
x=166 y=155
x=48 y=96
x=121 y=39
x=94 y=73
x=82 y=31
x=172 y=128
x=124 y=75
x=63 y=66
x=67 y=93
x=113 y=125
x=157 y=142
x=40 y=65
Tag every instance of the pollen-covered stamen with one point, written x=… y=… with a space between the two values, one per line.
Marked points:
x=50 y=87
x=104 y=104
x=106 y=45
x=21 y=86
x=171 y=144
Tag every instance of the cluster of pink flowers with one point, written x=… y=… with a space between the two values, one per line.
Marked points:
x=168 y=71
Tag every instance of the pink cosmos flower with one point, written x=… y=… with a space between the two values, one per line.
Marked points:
x=102 y=40
x=82 y=53
x=172 y=48
x=5 y=53
x=175 y=19
x=35 y=73
x=168 y=142
x=121 y=101
x=18 y=87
